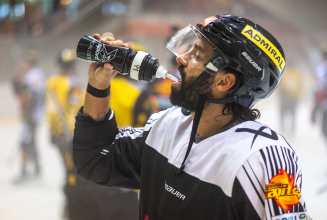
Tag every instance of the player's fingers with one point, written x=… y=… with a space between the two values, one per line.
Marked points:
x=127 y=45
x=105 y=39
x=97 y=36
x=108 y=66
x=117 y=43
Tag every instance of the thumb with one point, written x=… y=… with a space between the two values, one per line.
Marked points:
x=108 y=67
x=93 y=67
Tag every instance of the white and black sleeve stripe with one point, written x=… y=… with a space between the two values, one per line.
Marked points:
x=251 y=179
x=257 y=172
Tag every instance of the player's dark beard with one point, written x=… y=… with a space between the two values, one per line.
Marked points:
x=185 y=96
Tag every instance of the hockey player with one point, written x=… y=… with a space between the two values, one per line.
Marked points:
x=207 y=157
x=29 y=85
x=63 y=95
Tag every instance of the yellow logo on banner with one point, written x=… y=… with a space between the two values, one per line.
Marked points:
x=265 y=45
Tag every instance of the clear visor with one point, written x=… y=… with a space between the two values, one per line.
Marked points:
x=189 y=44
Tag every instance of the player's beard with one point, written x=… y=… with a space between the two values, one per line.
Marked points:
x=184 y=94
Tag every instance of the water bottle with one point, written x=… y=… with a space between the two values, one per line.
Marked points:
x=137 y=65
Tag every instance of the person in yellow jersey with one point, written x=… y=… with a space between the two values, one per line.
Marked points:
x=63 y=95
x=64 y=98
x=135 y=101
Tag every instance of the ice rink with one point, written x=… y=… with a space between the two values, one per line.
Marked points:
x=42 y=198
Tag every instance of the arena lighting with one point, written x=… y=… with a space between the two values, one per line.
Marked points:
x=66 y=2
x=31 y=1
x=114 y=8
x=19 y=11
x=4 y=11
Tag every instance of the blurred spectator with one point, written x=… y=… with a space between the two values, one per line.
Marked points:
x=320 y=87
x=290 y=90
x=321 y=93
x=64 y=97
x=29 y=84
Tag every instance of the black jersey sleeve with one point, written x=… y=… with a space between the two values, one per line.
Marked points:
x=268 y=186
x=106 y=155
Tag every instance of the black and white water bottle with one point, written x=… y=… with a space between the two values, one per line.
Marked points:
x=137 y=65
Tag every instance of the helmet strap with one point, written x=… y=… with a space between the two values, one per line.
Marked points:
x=198 y=112
x=197 y=117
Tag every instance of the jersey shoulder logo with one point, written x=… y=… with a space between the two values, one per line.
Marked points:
x=281 y=188
x=272 y=136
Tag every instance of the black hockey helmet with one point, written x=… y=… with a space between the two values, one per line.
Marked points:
x=245 y=47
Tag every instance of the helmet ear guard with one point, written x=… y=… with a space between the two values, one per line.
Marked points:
x=221 y=61
x=217 y=64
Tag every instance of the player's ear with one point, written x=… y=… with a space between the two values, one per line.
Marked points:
x=224 y=81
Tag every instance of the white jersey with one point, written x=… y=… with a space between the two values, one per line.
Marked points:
x=246 y=172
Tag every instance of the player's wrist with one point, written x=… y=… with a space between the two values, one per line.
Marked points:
x=98 y=84
x=99 y=91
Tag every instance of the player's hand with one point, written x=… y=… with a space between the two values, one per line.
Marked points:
x=100 y=75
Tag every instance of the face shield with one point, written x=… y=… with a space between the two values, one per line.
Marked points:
x=195 y=49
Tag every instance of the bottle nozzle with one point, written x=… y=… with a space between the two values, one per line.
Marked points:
x=163 y=73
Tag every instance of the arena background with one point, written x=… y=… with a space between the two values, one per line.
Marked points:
x=49 y=26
